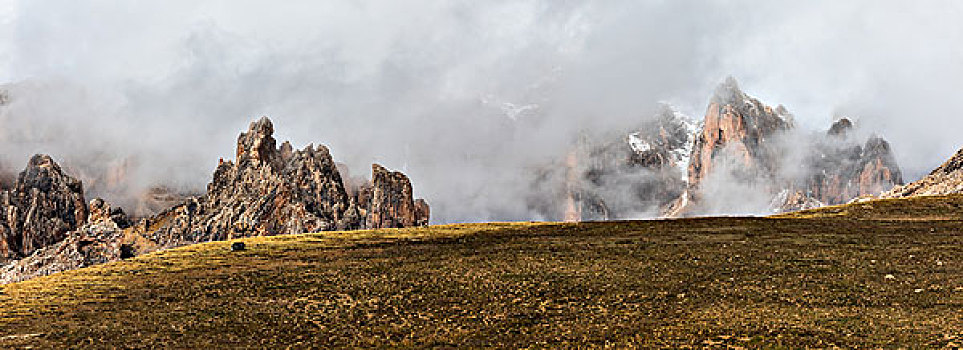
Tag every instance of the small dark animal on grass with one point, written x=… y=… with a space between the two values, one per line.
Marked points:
x=238 y=246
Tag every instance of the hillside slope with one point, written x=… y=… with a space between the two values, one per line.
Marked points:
x=867 y=282
x=944 y=180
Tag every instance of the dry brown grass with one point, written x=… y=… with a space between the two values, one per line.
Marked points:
x=816 y=279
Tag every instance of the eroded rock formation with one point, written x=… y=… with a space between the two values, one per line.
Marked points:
x=267 y=190
x=739 y=127
x=746 y=157
x=100 y=240
x=40 y=210
x=761 y=151
x=841 y=169
x=272 y=190
x=391 y=203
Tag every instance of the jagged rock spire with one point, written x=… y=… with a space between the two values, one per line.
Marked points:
x=257 y=144
x=841 y=128
x=271 y=190
x=44 y=205
x=728 y=92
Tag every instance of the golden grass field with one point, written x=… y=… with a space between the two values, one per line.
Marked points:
x=883 y=274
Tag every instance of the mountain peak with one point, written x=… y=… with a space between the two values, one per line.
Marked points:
x=841 y=127
x=258 y=142
x=728 y=92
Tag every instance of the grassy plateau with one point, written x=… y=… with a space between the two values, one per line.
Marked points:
x=882 y=274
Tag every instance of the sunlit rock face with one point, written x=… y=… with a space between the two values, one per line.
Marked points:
x=736 y=147
x=745 y=157
x=944 y=180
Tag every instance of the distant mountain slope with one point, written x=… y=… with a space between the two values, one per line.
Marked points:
x=926 y=208
x=631 y=174
x=946 y=179
x=744 y=157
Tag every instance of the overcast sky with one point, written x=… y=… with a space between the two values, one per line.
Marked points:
x=461 y=95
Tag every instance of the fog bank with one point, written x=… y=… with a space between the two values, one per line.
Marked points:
x=463 y=96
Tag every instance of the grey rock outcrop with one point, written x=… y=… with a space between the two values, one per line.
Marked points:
x=46 y=227
x=40 y=210
x=272 y=190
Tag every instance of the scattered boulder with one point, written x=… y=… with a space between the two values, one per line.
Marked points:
x=127 y=251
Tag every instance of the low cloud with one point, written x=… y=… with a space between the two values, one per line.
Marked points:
x=463 y=96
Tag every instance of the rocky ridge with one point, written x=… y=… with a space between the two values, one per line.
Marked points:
x=944 y=180
x=743 y=149
x=271 y=189
x=762 y=151
x=267 y=190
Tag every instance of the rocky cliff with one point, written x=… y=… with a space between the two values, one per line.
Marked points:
x=740 y=128
x=102 y=239
x=736 y=148
x=840 y=168
x=763 y=152
x=745 y=157
x=271 y=189
x=40 y=210
x=267 y=190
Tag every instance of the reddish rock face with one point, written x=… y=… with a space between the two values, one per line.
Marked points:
x=842 y=170
x=391 y=205
x=741 y=127
x=879 y=170
x=422 y=212
x=753 y=140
